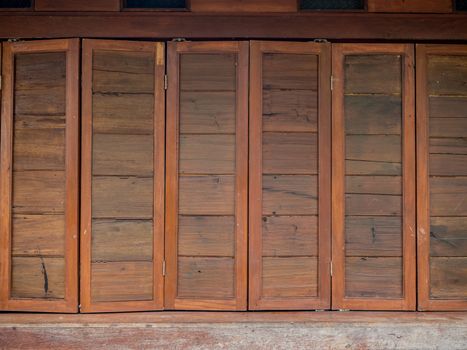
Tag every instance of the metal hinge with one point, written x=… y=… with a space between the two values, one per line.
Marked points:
x=13 y=40
x=179 y=40
x=332 y=82
x=343 y=310
x=330 y=265
x=166 y=82
x=0 y=82
x=163 y=268
x=320 y=40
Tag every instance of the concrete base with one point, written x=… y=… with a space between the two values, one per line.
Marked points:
x=298 y=330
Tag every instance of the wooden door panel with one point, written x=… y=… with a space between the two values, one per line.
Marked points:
x=39 y=176
x=122 y=209
x=207 y=176
x=289 y=172
x=373 y=177
x=442 y=176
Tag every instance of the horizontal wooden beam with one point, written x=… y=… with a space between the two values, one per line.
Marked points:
x=343 y=26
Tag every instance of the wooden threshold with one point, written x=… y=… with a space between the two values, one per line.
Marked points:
x=77 y=320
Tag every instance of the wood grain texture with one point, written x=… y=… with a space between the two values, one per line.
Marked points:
x=448 y=278
x=290 y=71
x=76 y=5
x=448 y=236
x=122 y=281
x=415 y=6
x=243 y=6
x=448 y=196
x=446 y=75
x=447 y=106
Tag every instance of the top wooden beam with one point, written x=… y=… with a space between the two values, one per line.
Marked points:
x=306 y=25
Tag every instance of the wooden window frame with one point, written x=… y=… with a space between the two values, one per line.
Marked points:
x=175 y=49
x=339 y=301
x=323 y=51
x=70 y=301
x=423 y=183
x=158 y=49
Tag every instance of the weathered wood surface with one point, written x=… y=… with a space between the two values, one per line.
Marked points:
x=243 y=6
x=259 y=330
x=416 y=6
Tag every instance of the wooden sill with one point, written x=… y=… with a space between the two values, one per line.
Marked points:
x=11 y=319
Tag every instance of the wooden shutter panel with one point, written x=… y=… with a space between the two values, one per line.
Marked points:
x=39 y=176
x=442 y=176
x=207 y=176
x=290 y=131
x=122 y=205
x=373 y=177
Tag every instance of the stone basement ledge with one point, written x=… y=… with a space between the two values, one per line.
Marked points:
x=235 y=330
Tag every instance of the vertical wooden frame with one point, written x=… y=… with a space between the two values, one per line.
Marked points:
x=158 y=49
x=339 y=301
x=70 y=301
x=175 y=50
x=322 y=301
x=423 y=183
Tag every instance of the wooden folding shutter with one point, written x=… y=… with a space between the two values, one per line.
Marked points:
x=442 y=176
x=122 y=203
x=373 y=177
x=206 y=198
x=290 y=188
x=39 y=176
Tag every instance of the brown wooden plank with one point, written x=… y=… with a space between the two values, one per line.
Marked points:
x=211 y=278
x=243 y=6
x=362 y=167
x=447 y=75
x=46 y=101
x=206 y=195
x=123 y=155
x=448 y=145
x=447 y=106
x=448 y=165
x=448 y=127
x=38 y=277
x=40 y=70
x=123 y=114
x=121 y=281
x=122 y=197
x=373 y=184
x=206 y=236
x=38 y=192
x=448 y=196
x=373 y=114
x=207 y=154
x=121 y=240
x=77 y=5
x=290 y=110
x=290 y=153
x=373 y=236
x=290 y=236
x=379 y=277
x=42 y=235
x=434 y=6
x=207 y=72
x=448 y=278
x=207 y=112
x=378 y=148
x=373 y=204
x=372 y=74
x=290 y=277
x=448 y=236
x=290 y=195
x=290 y=71
x=39 y=148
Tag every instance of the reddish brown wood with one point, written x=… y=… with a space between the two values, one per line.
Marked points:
x=77 y=5
x=243 y=6
x=259 y=284
x=70 y=301
x=156 y=213
x=433 y=6
x=425 y=112
x=407 y=302
x=361 y=26
x=194 y=186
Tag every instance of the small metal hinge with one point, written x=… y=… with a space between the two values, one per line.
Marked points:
x=330 y=265
x=179 y=40
x=319 y=310
x=320 y=40
x=163 y=268
x=13 y=40
x=166 y=82
x=344 y=310
x=332 y=82
x=0 y=82
x=79 y=306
